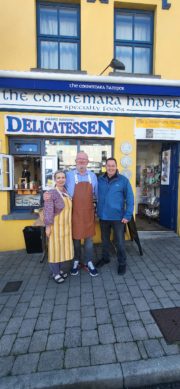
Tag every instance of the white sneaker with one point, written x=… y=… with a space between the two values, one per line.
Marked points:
x=74 y=270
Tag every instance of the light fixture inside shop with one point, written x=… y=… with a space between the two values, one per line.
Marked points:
x=115 y=64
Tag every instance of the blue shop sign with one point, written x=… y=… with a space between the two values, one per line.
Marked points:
x=87 y=87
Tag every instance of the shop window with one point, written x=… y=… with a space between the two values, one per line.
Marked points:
x=30 y=169
x=66 y=150
x=133 y=43
x=27 y=182
x=58 y=36
x=98 y=152
x=26 y=173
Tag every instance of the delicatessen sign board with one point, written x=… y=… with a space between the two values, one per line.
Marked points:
x=58 y=126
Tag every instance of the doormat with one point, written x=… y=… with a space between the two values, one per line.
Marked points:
x=12 y=287
x=168 y=321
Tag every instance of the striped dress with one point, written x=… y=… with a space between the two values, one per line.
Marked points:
x=58 y=212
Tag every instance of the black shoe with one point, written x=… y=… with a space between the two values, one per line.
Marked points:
x=102 y=262
x=122 y=269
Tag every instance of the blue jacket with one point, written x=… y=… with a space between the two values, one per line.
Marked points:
x=115 y=198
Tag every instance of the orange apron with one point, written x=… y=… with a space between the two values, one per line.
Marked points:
x=83 y=216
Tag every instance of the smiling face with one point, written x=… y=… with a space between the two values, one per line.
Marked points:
x=81 y=162
x=60 y=179
x=111 y=167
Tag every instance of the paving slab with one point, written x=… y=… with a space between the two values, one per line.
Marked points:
x=90 y=332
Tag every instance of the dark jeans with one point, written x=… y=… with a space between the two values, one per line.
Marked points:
x=88 y=250
x=118 y=230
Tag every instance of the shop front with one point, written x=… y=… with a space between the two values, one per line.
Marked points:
x=34 y=159
x=45 y=120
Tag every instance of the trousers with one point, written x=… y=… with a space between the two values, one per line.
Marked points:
x=88 y=249
x=118 y=230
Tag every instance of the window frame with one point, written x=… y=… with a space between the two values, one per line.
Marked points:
x=57 y=38
x=10 y=160
x=54 y=167
x=13 y=152
x=135 y=43
x=14 y=140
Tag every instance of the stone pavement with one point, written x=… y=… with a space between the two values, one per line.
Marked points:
x=89 y=332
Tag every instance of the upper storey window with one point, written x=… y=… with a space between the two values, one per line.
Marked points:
x=58 y=36
x=134 y=40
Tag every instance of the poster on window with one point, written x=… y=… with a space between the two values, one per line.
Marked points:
x=166 y=164
x=28 y=200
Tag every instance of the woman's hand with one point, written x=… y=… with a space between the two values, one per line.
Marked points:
x=48 y=231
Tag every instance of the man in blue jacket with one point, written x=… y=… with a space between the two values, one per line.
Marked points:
x=114 y=209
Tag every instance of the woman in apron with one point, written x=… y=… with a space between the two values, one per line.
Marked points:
x=58 y=213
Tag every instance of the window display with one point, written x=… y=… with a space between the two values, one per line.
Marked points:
x=66 y=149
x=27 y=181
x=29 y=170
x=148 y=179
x=97 y=152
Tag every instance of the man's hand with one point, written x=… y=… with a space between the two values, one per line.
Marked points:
x=124 y=221
x=46 y=196
x=48 y=231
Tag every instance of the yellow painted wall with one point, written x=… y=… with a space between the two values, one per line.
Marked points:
x=125 y=133
x=18 y=35
x=97 y=34
x=11 y=234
